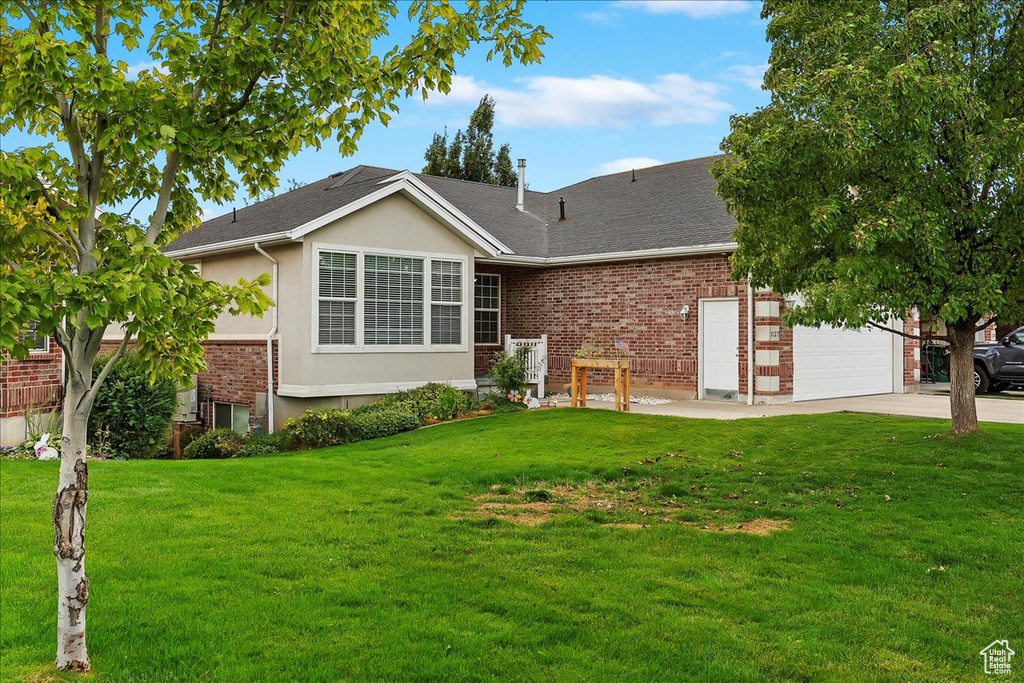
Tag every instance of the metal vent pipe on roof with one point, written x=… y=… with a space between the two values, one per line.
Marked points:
x=561 y=208
x=521 y=185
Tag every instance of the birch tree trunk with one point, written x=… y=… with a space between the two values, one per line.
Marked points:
x=69 y=529
x=961 y=377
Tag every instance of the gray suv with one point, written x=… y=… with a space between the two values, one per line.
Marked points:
x=999 y=365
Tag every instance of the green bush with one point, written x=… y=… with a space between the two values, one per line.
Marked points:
x=383 y=422
x=431 y=401
x=214 y=444
x=509 y=371
x=265 y=444
x=499 y=403
x=133 y=412
x=319 y=427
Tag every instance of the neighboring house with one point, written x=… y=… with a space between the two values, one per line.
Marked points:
x=32 y=386
x=389 y=279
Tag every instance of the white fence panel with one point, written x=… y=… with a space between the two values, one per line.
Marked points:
x=536 y=358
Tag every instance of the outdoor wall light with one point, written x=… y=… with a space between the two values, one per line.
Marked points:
x=684 y=312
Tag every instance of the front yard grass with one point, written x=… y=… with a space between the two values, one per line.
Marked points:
x=566 y=545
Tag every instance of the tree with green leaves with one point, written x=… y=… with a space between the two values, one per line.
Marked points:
x=234 y=85
x=470 y=155
x=884 y=174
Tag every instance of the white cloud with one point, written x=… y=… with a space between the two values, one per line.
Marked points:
x=135 y=69
x=552 y=102
x=695 y=9
x=601 y=18
x=750 y=75
x=627 y=164
x=211 y=211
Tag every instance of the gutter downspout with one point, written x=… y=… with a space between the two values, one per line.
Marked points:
x=270 y=342
x=750 y=342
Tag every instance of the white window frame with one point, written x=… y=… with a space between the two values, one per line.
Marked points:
x=497 y=310
x=234 y=407
x=320 y=299
x=46 y=340
x=360 y=347
x=461 y=303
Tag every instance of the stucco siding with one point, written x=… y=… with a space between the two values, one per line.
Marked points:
x=227 y=269
x=391 y=225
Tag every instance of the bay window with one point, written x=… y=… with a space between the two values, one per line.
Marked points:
x=388 y=301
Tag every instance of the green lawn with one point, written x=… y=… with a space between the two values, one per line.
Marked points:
x=376 y=561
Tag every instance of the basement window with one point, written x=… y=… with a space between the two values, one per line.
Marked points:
x=233 y=416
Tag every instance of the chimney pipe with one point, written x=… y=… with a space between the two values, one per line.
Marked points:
x=234 y=215
x=520 y=186
x=561 y=208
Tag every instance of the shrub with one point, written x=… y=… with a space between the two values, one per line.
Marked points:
x=319 y=427
x=265 y=444
x=431 y=401
x=509 y=371
x=499 y=403
x=383 y=422
x=133 y=411
x=214 y=444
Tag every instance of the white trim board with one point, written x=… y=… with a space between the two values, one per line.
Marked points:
x=605 y=257
x=326 y=390
x=421 y=195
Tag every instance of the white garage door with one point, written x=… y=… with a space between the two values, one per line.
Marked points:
x=831 y=362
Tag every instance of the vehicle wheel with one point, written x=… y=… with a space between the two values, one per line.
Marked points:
x=981 y=381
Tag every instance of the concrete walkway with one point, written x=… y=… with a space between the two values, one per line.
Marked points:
x=1008 y=410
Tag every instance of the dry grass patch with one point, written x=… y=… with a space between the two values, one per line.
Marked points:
x=757 y=527
x=538 y=503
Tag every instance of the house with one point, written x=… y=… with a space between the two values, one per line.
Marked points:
x=389 y=279
x=30 y=388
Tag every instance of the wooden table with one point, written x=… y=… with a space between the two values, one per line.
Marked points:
x=578 y=389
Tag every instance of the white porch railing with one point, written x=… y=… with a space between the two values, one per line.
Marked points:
x=536 y=358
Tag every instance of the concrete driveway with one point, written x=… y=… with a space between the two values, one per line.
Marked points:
x=990 y=409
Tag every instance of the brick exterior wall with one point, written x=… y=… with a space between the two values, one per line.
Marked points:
x=639 y=301
x=33 y=383
x=236 y=373
x=773 y=349
x=1000 y=330
x=911 y=355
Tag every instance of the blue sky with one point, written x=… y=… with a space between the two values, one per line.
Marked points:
x=622 y=85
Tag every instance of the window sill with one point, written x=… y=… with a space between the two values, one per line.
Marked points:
x=391 y=349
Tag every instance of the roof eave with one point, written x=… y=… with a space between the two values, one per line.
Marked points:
x=404 y=183
x=608 y=257
x=228 y=247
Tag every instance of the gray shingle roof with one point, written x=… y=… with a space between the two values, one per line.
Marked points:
x=668 y=206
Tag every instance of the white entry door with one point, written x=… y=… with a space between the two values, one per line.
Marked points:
x=719 y=369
